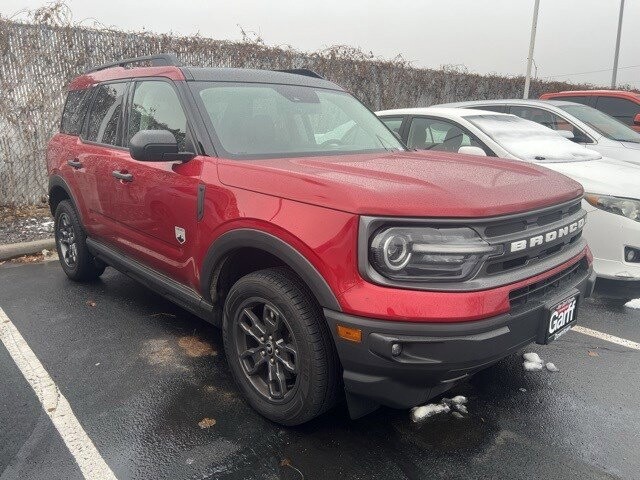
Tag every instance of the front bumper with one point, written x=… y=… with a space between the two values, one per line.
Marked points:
x=435 y=356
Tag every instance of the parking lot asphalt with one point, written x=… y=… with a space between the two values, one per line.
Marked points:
x=141 y=374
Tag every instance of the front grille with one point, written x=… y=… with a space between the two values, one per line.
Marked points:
x=528 y=222
x=548 y=286
x=505 y=231
x=500 y=266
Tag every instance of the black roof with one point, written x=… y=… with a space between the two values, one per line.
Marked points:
x=256 y=76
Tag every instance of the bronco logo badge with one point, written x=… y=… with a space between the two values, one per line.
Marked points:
x=181 y=235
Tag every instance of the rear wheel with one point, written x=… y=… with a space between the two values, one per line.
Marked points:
x=75 y=258
x=279 y=348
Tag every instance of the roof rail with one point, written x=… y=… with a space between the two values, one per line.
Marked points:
x=160 y=60
x=302 y=71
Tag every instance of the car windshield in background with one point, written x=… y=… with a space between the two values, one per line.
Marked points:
x=528 y=140
x=253 y=120
x=602 y=123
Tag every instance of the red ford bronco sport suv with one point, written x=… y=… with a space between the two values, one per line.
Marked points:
x=276 y=206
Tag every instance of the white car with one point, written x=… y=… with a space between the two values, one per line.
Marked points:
x=579 y=123
x=612 y=187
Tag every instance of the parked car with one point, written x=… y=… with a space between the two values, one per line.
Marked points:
x=620 y=104
x=346 y=261
x=612 y=187
x=579 y=123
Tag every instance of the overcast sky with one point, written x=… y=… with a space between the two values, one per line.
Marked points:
x=574 y=36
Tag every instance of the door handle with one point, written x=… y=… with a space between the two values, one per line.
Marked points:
x=125 y=177
x=75 y=163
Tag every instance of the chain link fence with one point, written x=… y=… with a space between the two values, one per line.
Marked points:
x=40 y=58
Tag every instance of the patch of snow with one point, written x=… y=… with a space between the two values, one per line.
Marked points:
x=551 y=367
x=523 y=389
x=457 y=416
x=460 y=408
x=461 y=399
x=635 y=303
x=425 y=411
x=532 y=366
x=532 y=357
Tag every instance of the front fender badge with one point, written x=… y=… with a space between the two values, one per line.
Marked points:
x=181 y=235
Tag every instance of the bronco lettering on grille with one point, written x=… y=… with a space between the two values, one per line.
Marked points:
x=547 y=237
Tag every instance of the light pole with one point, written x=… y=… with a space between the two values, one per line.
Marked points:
x=617 y=52
x=532 y=42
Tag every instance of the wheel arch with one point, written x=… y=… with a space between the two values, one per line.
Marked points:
x=276 y=251
x=58 y=191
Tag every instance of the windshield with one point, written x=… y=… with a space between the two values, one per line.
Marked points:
x=602 y=123
x=252 y=120
x=531 y=141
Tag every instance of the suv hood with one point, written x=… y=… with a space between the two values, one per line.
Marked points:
x=413 y=184
x=606 y=176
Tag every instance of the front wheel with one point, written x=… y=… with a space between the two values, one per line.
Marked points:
x=278 y=347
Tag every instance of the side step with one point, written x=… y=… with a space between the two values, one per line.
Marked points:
x=178 y=293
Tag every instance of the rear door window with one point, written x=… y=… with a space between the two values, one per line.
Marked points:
x=105 y=118
x=619 y=108
x=75 y=110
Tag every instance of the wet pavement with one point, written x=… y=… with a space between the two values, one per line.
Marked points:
x=140 y=374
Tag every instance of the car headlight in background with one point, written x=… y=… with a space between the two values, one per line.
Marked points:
x=426 y=254
x=627 y=207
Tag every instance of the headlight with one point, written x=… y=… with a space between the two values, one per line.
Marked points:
x=428 y=254
x=627 y=207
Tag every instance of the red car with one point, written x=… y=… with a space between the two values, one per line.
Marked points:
x=620 y=104
x=276 y=206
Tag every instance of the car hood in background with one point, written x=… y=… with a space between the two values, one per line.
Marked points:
x=606 y=176
x=631 y=145
x=412 y=184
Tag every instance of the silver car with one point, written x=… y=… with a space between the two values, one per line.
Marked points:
x=579 y=123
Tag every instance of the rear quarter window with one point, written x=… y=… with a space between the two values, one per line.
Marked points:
x=75 y=110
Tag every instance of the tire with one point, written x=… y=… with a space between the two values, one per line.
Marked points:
x=297 y=323
x=78 y=264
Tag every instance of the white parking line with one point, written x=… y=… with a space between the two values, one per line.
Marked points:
x=91 y=464
x=606 y=337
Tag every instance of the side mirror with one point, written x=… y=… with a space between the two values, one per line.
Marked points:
x=469 y=150
x=636 y=119
x=568 y=134
x=157 y=146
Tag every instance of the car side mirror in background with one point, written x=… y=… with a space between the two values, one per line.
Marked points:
x=636 y=119
x=469 y=150
x=157 y=146
x=568 y=134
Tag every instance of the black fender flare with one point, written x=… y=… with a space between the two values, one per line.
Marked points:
x=251 y=238
x=56 y=181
